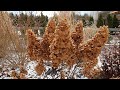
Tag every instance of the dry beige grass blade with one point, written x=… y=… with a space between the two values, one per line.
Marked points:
x=89 y=32
x=10 y=42
x=4 y=38
x=68 y=15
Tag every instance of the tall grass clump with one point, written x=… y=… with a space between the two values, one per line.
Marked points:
x=12 y=47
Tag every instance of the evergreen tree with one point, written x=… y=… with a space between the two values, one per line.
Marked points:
x=16 y=20
x=91 y=20
x=43 y=20
x=25 y=20
x=84 y=22
x=31 y=20
x=25 y=17
x=110 y=21
x=37 y=21
x=100 y=21
x=21 y=20
x=12 y=16
x=115 y=22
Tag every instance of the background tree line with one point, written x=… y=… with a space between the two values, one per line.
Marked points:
x=25 y=21
x=30 y=20
x=110 y=20
x=87 y=19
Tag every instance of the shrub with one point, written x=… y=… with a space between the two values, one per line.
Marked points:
x=110 y=58
x=62 y=48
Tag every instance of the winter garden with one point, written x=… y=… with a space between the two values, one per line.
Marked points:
x=64 y=46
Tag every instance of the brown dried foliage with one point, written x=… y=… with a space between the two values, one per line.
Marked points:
x=50 y=29
x=31 y=44
x=22 y=76
x=89 y=51
x=22 y=70
x=93 y=74
x=61 y=46
x=13 y=73
x=77 y=35
x=62 y=75
x=40 y=68
x=62 y=49
x=39 y=50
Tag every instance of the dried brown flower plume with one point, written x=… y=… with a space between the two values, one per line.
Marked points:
x=39 y=50
x=89 y=51
x=61 y=46
x=77 y=35
x=39 y=68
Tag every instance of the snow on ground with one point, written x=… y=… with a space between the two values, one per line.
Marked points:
x=6 y=72
x=33 y=75
x=31 y=72
x=99 y=62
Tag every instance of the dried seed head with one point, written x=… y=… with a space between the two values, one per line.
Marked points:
x=62 y=73
x=22 y=70
x=61 y=48
x=22 y=76
x=92 y=48
x=89 y=51
x=50 y=26
x=50 y=29
x=39 y=69
x=13 y=74
x=77 y=35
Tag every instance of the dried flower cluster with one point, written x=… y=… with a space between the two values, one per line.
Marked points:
x=59 y=45
x=62 y=49
x=94 y=73
x=20 y=75
x=77 y=35
x=50 y=29
x=62 y=75
x=39 y=50
x=31 y=40
x=39 y=68
x=89 y=51
x=63 y=44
